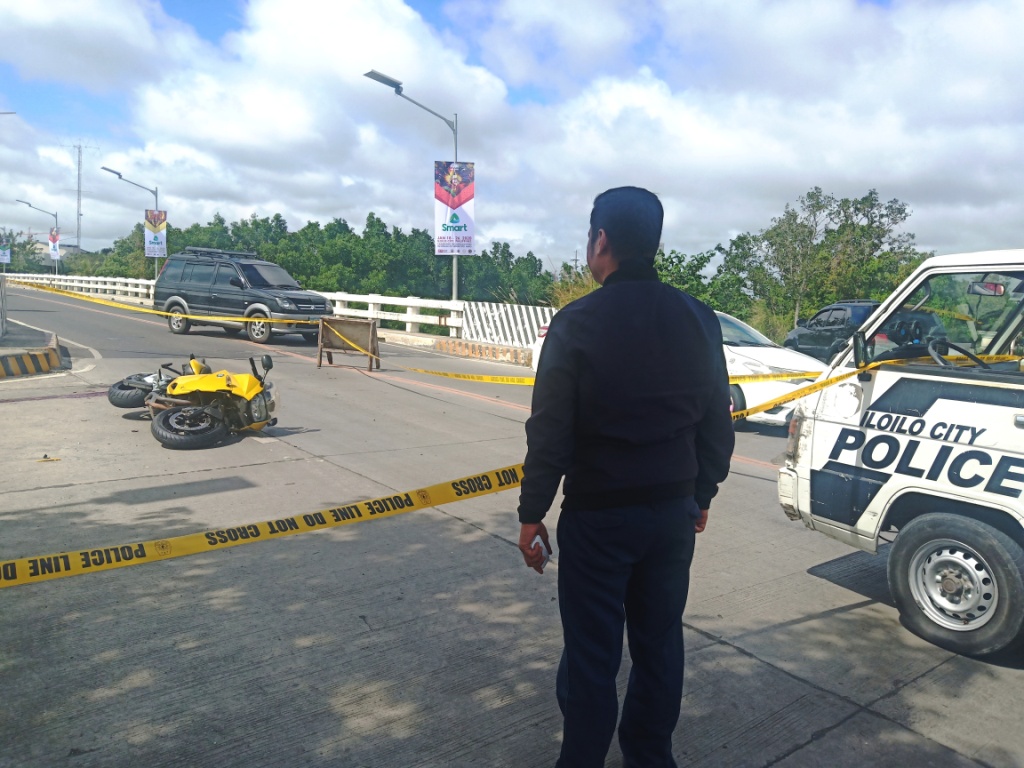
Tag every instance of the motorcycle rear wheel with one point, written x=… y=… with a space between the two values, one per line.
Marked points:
x=187 y=427
x=123 y=395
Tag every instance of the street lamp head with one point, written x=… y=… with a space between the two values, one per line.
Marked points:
x=25 y=202
x=390 y=82
x=110 y=170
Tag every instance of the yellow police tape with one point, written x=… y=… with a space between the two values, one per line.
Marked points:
x=145 y=310
x=796 y=394
x=530 y=380
x=810 y=389
x=521 y=380
x=517 y=380
x=753 y=378
x=30 y=570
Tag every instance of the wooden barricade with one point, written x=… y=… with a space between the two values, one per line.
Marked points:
x=361 y=333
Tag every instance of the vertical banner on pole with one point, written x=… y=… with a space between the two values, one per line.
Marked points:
x=454 y=190
x=54 y=243
x=5 y=252
x=156 y=234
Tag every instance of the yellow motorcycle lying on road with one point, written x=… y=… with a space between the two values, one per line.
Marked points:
x=201 y=409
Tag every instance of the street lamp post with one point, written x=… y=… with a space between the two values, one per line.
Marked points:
x=390 y=82
x=156 y=205
x=56 y=225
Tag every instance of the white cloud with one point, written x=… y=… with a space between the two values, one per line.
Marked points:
x=728 y=110
x=552 y=44
x=98 y=45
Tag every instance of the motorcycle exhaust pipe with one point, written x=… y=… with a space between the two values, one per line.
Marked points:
x=162 y=403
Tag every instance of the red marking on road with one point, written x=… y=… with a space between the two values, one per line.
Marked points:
x=72 y=396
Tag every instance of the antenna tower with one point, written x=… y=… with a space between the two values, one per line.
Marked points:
x=78 y=211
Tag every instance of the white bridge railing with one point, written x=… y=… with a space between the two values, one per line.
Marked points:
x=512 y=325
x=449 y=313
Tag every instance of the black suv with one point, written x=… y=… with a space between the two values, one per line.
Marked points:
x=824 y=334
x=207 y=282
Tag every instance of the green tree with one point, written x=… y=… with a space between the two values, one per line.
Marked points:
x=822 y=250
x=26 y=257
x=254 y=233
x=686 y=272
x=128 y=257
x=498 y=275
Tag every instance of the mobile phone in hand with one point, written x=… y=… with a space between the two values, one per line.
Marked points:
x=547 y=552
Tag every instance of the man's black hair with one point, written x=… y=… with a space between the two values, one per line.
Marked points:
x=631 y=218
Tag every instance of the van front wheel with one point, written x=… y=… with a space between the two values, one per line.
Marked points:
x=258 y=328
x=959 y=583
x=177 y=321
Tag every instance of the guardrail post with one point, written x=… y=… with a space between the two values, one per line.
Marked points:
x=411 y=327
x=374 y=306
x=455 y=331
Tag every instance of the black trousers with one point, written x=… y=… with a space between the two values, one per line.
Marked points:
x=628 y=565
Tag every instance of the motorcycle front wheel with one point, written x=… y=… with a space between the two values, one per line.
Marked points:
x=188 y=427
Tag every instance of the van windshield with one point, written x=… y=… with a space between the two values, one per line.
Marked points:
x=982 y=312
x=267 y=276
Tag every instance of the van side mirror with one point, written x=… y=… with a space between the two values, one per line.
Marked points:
x=986 y=289
x=801 y=323
x=237 y=282
x=860 y=349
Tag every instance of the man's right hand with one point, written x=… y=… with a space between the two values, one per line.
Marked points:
x=701 y=522
x=533 y=555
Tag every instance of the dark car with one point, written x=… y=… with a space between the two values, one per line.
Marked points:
x=824 y=334
x=207 y=282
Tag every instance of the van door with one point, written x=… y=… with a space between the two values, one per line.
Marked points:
x=227 y=299
x=195 y=286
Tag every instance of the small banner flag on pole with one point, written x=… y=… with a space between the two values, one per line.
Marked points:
x=156 y=234
x=54 y=243
x=454 y=190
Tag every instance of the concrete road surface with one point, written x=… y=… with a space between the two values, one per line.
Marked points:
x=418 y=640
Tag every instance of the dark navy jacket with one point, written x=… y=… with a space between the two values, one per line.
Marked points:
x=631 y=402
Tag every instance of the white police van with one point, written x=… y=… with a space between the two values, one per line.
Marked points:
x=924 y=446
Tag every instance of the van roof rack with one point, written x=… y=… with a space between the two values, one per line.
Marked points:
x=221 y=253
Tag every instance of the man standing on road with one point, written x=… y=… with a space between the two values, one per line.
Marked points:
x=631 y=406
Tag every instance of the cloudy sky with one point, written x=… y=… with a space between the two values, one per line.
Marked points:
x=728 y=109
